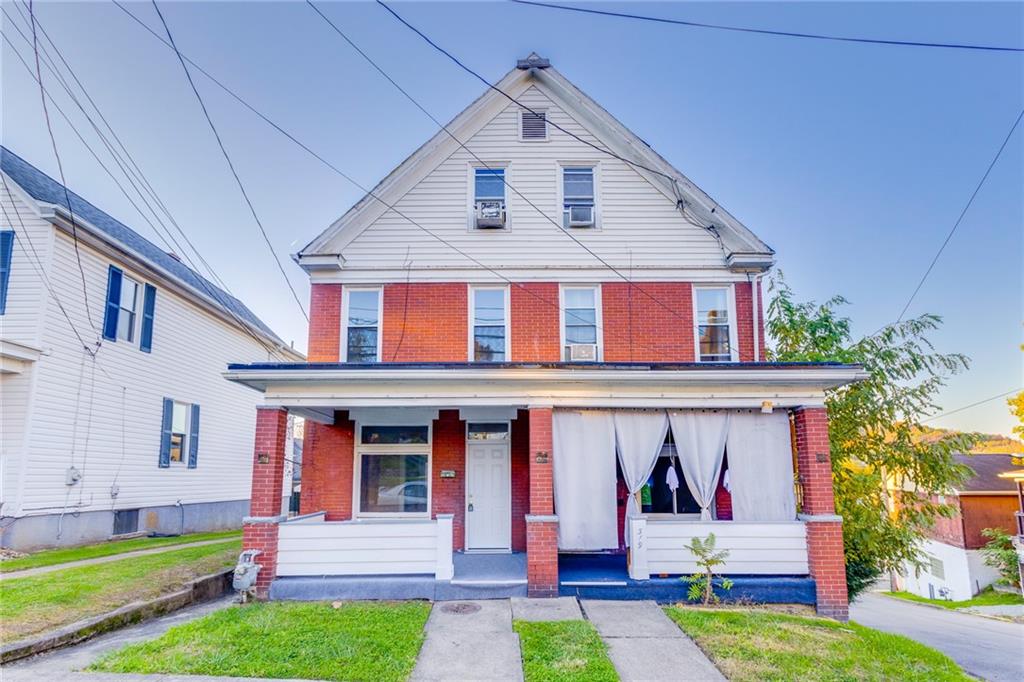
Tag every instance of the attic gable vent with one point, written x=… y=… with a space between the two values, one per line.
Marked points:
x=534 y=125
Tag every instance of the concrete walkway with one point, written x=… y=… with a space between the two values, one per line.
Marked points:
x=29 y=572
x=470 y=640
x=644 y=644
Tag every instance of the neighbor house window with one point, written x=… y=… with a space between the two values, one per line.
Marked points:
x=489 y=197
x=580 y=315
x=6 y=250
x=362 y=325
x=127 y=309
x=179 y=440
x=713 y=324
x=394 y=470
x=578 y=205
x=490 y=324
x=179 y=432
x=127 y=302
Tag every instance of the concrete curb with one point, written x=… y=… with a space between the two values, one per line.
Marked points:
x=963 y=611
x=202 y=589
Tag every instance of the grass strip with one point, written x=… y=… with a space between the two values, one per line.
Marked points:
x=50 y=557
x=762 y=645
x=987 y=597
x=371 y=641
x=40 y=603
x=563 y=651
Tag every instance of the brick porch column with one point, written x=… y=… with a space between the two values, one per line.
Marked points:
x=541 y=522
x=259 y=529
x=824 y=527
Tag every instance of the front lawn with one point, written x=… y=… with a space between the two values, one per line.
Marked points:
x=49 y=557
x=563 y=651
x=764 y=645
x=372 y=641
x=987 y=597
x=43 y=602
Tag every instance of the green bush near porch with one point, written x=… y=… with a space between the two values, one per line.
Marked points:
x=563 y=651
x=759 y=645
x=371 y=641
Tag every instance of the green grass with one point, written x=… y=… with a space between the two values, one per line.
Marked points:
x=987 y=597
x=563 y=651
x=39 y=603
x=373 y=641
x=50 y=557
x=764 y=645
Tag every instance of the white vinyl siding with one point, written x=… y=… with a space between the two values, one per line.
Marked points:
x=640 y=226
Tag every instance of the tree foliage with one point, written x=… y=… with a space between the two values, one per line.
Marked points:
x=1000 y=554
x=887 y=481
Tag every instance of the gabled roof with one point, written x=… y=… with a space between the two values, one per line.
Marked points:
x=986 y=477
x=741 y=246
x=46 y=190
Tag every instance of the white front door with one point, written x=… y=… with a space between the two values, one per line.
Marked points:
x=488 y=496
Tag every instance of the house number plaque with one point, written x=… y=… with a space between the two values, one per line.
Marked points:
x=542 y=457
x=447 y=473
x=263 y=458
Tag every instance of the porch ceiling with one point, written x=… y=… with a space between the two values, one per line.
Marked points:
x=327 y=386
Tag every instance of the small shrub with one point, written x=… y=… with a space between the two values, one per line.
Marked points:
x=702 y=584
x=1000 y=554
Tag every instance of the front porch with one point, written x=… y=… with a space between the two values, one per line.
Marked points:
x=467 y=498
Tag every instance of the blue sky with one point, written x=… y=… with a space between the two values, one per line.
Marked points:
x=852 y=161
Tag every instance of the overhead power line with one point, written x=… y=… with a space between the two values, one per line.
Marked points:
x=231 y=165
x=504 y=180
x=960 y=218
x=975 y=404
x=762 y=31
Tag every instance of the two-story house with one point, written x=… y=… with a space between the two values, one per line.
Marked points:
x=537 y=366
x=115 y=417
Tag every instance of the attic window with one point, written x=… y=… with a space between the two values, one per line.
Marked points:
x=534 y=125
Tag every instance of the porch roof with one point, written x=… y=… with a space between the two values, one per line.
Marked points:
x=317 y=389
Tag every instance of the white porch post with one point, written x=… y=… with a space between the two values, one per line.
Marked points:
x=445 y=566
x=638 y=569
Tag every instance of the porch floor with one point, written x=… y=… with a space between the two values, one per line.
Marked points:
x=489 y=569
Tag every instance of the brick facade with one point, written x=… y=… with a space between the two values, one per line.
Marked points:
x=520 y=479
x=260 y=530
x=327 y=468
x=638 y=328
x=324 y=322
x=541 y=525
x=449 y=452
x=535 y=322
x=425 y=322
x=824 y=529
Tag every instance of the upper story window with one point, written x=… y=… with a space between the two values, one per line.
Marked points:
x=533 y=126
x=130 y=310
x=489 y=332
x=580 y=323
x=361 y=316
x=489 y=198
x=179 y=441
x=6 y=250
x=714 y=323
x=578 y=198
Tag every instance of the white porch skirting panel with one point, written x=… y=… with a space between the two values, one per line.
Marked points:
x=310 y=546
x=659 y=546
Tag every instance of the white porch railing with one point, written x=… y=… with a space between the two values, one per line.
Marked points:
x=310 y=546
x=658 y=546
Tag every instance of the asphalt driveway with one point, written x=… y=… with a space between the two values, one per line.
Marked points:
x=990 y=649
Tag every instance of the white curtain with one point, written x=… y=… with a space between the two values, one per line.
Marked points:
x=761 y=467
x=700 y=441
x=639 y=436
x=584 y=471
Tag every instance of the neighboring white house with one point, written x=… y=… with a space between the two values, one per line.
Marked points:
x=130 y=427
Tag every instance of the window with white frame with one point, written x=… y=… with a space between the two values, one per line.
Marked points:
x=578 y=198
x=362 y=325
x=580 y=323
x=489 y=329
x=127 y=309
x=179 y=432
x=393 y=470
x=714 y=324
x=489 y=206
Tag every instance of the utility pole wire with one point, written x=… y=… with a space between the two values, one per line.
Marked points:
x=231 y=165
x=975 y=404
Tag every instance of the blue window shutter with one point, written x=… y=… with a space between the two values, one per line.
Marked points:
x=165 y=434
x=113 y=309
x=148 y=310
x=193 y=438
x=6 y=249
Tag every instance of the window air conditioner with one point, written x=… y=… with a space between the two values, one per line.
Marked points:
x=490 y=213
x=581 y=216
x=582 y=352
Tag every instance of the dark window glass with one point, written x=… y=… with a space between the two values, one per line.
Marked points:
x=363 y=320
x=661 y=495
x=713 y=325
x=394 y=435
x=496 y=431
x=580 y=316
x=489 y=325
x=577 y=195
x=490 y=183
x=393 y=483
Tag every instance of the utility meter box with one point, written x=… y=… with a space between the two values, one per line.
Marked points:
x=246 y=571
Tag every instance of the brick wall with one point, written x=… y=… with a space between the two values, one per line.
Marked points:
x=265 y=500
x=535 y=322
x=449 y=494
x=723 y=499
x=541 y=526
x=542 y=559
x=324 y=322
x=951 y=530
x=542 y=495
x=425 y=322
x=987 y=511
x=745 y=321
x=520 y=447
x=327 y=468
x=639 y=329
